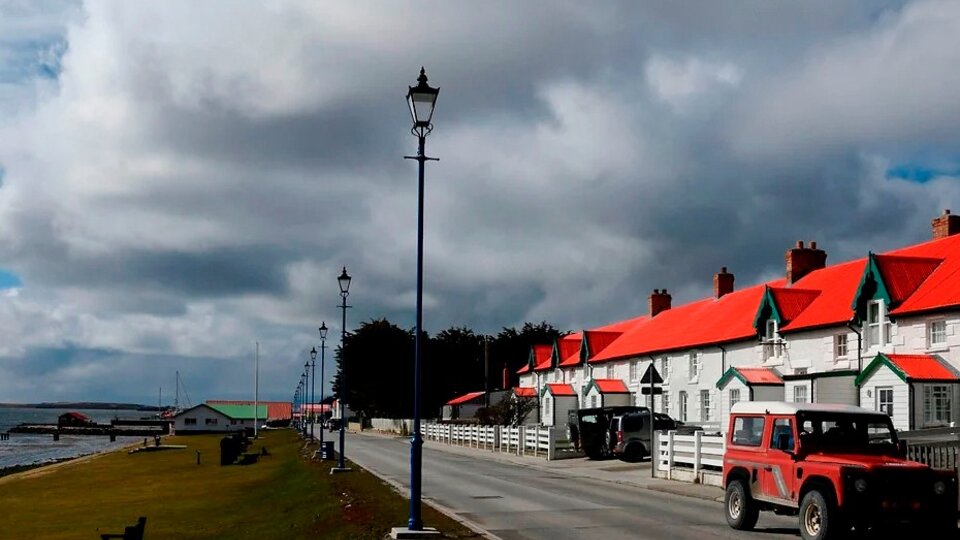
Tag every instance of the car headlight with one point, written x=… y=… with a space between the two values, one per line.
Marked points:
x=860 y=485
x=939 y=487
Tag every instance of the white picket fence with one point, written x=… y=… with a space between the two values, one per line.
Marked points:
x=519 y=440
x=697 y=457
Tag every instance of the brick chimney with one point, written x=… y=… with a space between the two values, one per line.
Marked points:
x=803 y=260
x=506 y=377
x=945 y=225
x=659 y=301
x=722 y=283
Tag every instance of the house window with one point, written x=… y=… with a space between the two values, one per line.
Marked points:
x=189 y=421
x=885 y=400
x=704 y=405
x=936 y=334
x=800 y=394
x=665 y=369
x=840 y=346
x=936 y=404
x=734 y=396
x=546 y=408
x=772 y=344
x=800 y=371
x=665 y=402
x=634 y=368
x=683 y=406
x=593 y=400
x=694 y=369
x=211 y=421
x=878 y=327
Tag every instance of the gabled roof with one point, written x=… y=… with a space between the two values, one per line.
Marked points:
x=276 y=410
x=542 y=357
x=752 y=376
x=240 y=412
x=568 y=349
x=704 y=322
x=902 y=275
x=837 y=285
x=607 y=386
x=559 y=389
x=912 y=367
x=465 y=398
x=941 y=288
x=524 y=391
x=596 y=341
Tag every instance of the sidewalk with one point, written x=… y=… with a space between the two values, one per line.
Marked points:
x=613 y=471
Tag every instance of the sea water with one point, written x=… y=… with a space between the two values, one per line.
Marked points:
x=29 y=449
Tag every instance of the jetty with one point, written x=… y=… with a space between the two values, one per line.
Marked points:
x=116 y=428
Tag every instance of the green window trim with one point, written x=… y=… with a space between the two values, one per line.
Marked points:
x=871 y=288
x=765 y=311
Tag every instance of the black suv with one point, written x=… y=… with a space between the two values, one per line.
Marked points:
x=632 y=433
x=591 y=430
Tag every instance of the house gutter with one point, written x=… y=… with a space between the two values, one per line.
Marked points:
x=859 y=355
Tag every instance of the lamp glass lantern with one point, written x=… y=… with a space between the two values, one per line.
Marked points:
x=421 y=99
x=323 y=329
x=313 y=353
x=344 y=281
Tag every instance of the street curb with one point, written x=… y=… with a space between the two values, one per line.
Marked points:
x=492 y=456
x=449 y=512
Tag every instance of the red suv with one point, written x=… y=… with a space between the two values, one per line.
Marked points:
x=838 y=467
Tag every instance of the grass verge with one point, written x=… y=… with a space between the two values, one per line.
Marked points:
x=284 y=495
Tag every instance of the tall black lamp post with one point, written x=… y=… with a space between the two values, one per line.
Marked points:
x=323 y=347
x=421 y=98
x=344 y=280
x=310 y=397
x=313 y=382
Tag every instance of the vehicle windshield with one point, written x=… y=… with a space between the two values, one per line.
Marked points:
x=846 y=433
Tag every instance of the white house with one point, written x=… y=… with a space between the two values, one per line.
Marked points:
x=606 y=393
x=465 y=406
x=206 y=419
x=924 y=381
x=555 y=402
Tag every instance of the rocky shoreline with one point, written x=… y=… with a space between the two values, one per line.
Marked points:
x=14 y=469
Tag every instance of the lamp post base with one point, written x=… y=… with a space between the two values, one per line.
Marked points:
x=336 y=470
x=403 y=532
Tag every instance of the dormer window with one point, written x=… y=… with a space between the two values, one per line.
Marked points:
x=772 y=343
x=878 y=326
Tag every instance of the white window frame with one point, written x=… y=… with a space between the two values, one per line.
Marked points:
x=593 y=401
x=841 y=346
x=734 y=396
x=801 y=394
x=773 y=344
x=634 y=371
x=546 y=407
x=665 y=369
x=665 y=403
x=937 y=334
x=705 y=405
x=877 y=323
x=609 y=373
x=885 y=399
x=693 y=366
x=682 y=406
x=937 y=404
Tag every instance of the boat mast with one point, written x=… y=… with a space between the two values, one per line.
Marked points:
x=176 y=399
x=256 y=390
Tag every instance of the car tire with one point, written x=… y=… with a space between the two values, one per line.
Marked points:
x=742 y=512
x=633 y=453
x=819 y=517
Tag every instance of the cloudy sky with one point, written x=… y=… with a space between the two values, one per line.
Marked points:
x=179 y=180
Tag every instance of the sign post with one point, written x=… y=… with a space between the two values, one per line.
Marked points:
x=652 y=378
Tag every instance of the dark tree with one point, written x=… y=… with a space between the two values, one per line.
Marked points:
x=453 y=366
x=511 y=347
x=379 y=370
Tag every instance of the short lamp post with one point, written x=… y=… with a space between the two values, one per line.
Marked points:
x=344 y=281
x=313 y=353
x=421 y=98
x=310 y=396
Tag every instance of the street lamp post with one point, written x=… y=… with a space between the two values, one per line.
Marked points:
x=310 y=396
x=323 y=348
x=421 y=99
x=344 y=281
x=313 y=392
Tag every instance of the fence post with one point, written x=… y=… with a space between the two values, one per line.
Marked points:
x=697 y=441
x=670 y=455
x=551 y=444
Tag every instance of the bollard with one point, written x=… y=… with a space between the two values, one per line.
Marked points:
x=56 y=436
x=113 y=437
x=198 y=457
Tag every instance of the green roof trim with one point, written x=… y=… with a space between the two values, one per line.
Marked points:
x=240 y=412
x=871 y=287
x=879 y=360
x=584 y=348
x=731 y=373
x=765 y=311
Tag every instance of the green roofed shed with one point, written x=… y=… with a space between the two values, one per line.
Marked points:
x=241 y=412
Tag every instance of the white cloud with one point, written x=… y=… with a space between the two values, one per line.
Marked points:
x=680 y=81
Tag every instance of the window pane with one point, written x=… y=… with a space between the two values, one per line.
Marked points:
x=782 y=433
x=747 y=431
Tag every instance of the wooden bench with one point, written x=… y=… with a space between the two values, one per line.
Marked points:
x=133 y=532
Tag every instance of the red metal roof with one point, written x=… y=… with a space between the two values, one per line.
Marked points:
x=922 y=367
x=599 y=340
x=622 y=326
x=941 y=288
x=276 y=410
x=611 y=386
x=760 y=375
x=542 y=356
x=837 y=285
x=524 y=369
x=568 y=349
x=792 y=302
x=902 y=275
x=560 y=389
x=524 y=391
x=465 y=398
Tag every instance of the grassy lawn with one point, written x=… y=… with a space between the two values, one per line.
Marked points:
x=284 y=495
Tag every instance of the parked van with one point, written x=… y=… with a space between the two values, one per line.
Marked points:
x=632 y=432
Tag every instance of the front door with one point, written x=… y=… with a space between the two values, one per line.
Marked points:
x=776 y=476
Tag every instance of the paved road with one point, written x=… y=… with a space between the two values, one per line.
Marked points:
x=517 y=502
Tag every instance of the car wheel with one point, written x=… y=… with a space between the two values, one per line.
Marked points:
x=819 y=518
x=742 y=512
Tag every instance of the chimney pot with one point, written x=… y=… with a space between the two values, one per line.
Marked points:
x=945 y=225
x=813 y=245
x=799 y=244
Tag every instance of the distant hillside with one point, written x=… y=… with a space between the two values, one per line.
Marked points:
x=81 y=405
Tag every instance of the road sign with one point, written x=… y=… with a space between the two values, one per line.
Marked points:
x=651 y=375
x=645 y=390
